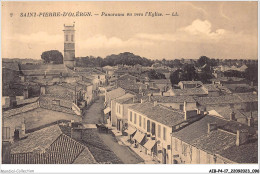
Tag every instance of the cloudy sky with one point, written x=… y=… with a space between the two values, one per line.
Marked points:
x=214 y=29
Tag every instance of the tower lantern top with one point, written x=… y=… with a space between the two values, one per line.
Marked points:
x=69 y=27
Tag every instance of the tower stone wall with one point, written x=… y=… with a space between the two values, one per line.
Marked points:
x=69 y=46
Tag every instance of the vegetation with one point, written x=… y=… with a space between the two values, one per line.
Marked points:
x=152 y=74
x=53 y=56
x=113 y=60
x=251 y=73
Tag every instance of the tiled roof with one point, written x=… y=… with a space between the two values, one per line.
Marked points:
x=159 y=113
x=224 y=79
x=199 y=128
x=189 y=91
x=225 y=111
x=85 y=157
x=248 y=97
x=170 y=99
x=19 y=110
x=191 y=82
x=27 y=101
x=65 y=96
x=161 y=81
x=115 y=93
x=40 y=69
x=72 y=86
x=65 y=107
x=215 y=141
x=245 y=153
x=218 y=100
x=96 y=146
x=236 y=88
x=124 y=98
x=125 y=76
x=37 y=141
x=50 y=146
x=211 y=87
x=17 y=90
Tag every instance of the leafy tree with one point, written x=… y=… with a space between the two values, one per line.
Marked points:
x=175 y=77
x=187 y=73
x=152 y=74
x=52 y=56
x=251 y=73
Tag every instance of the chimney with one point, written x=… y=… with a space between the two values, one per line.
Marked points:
x=184 y=106
x=250 y=121
x=142 y=100
x=155 y=103
x=26 y=93
x=252 y=84
x=212 y=126
x=70 y=123
x=22 y=131
x=232 y=116
x=134 y=99
x=149 y=98
x=43 y=90
x=242 y=137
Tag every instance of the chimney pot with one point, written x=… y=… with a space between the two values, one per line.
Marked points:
x=250 y=121
x=233 y=116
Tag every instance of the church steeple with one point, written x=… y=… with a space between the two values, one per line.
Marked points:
x=69 y=46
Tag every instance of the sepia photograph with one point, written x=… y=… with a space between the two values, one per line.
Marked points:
x=96 y=84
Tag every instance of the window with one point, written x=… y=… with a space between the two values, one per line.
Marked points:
x=164 y=133
x=159 y=131
x=208 y=158
x=144 y=123
x=153 y=129
x=72 y=38
x=148 y=125
x=131 y=119
x=184 y=149
x=119 y=109
x=176 y=144
x=67 y=38
x=135 y=119
x=6 y=133
x=198 y=156
x=140 y=121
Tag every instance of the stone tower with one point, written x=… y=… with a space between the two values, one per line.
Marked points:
x=69 y=46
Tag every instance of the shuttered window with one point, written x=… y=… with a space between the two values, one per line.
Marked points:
x=159 y=131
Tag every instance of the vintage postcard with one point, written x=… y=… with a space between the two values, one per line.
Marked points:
x=160 y=82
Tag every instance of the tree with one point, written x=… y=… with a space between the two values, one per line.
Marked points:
x=52 y=56
x=175 y=77
x=251 y=73
x=187 y=73
x=152 y=74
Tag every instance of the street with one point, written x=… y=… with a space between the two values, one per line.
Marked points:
x=94 y=116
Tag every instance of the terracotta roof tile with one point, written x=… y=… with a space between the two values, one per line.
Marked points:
x=159 y=113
